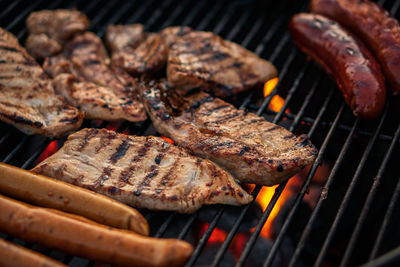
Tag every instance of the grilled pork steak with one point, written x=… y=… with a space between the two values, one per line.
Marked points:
x=82 y=76
x=146 y=172
x=50 y=29
x=251 y=148
x=138 y=52
x=203 y=59
x=135 y=51
x=27 y=98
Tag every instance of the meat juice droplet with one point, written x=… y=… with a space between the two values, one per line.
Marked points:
x=50 y=194
x=66 y=200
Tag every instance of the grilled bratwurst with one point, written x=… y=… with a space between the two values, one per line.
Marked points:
x=82 y=76
x=251 y=148
x=146 y=172
x=27 y=98
x=50 y=29
x=203 y=59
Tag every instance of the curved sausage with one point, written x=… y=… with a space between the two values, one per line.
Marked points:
x=76 y=236
x=51 y=193
x=12 y=255
x=355 y=70
x=374 y=25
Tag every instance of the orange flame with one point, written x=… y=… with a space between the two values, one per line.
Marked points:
x=169 y=140
x=276 y=102
x=265 y=196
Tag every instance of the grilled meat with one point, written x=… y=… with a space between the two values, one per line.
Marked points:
x=203 y=59
x=138 y=52
x=83 y=77
x=27 y=98
x=135 y=51
x=146 y=172
x=251 y=148
x=119 y=37
x=50 y=29
x=171 y=34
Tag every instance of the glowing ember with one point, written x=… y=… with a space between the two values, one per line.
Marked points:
x=217 y=235
x=169 y=140
x=276 y=102
x=48 y=151
x=238 y=243
x=113 y=126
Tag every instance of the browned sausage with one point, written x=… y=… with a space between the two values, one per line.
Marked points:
x=44 y=191
x=374 y=25
x=90 y=240
x=12 y=255
x=349 y=62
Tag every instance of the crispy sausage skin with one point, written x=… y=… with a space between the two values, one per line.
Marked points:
x=12 y=255
x=79 y=236
x=349 y=62
x=372 y=24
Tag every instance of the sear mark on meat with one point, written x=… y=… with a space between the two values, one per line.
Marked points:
x=49 y=30
x=205 y=60
x=27 y=98
x=146 y=172
x=138 y=52
x=135 y=51
x=251 y=148
x=82 y=75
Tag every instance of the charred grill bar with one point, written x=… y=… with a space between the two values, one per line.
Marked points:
x=360 y=191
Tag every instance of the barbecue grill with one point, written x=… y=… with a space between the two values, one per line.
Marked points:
x=343 y=210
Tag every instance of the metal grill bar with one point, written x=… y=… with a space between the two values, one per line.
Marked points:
x=144 y=7
x=392 y=257
x=282 y=74
x=291 y=92
x=15 y=150
x=126 y=7
x=234 y=229
x=368 y=202
x=157 y=12
x=317 y=209
x=187 y=226
x=198 y=5
x=210 y=15
x=21 y=15
x=304 y=188
x=389 y=213
x=205 y=237
x=344 y=204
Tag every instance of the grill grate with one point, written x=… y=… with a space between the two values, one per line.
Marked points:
x=361 y=189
